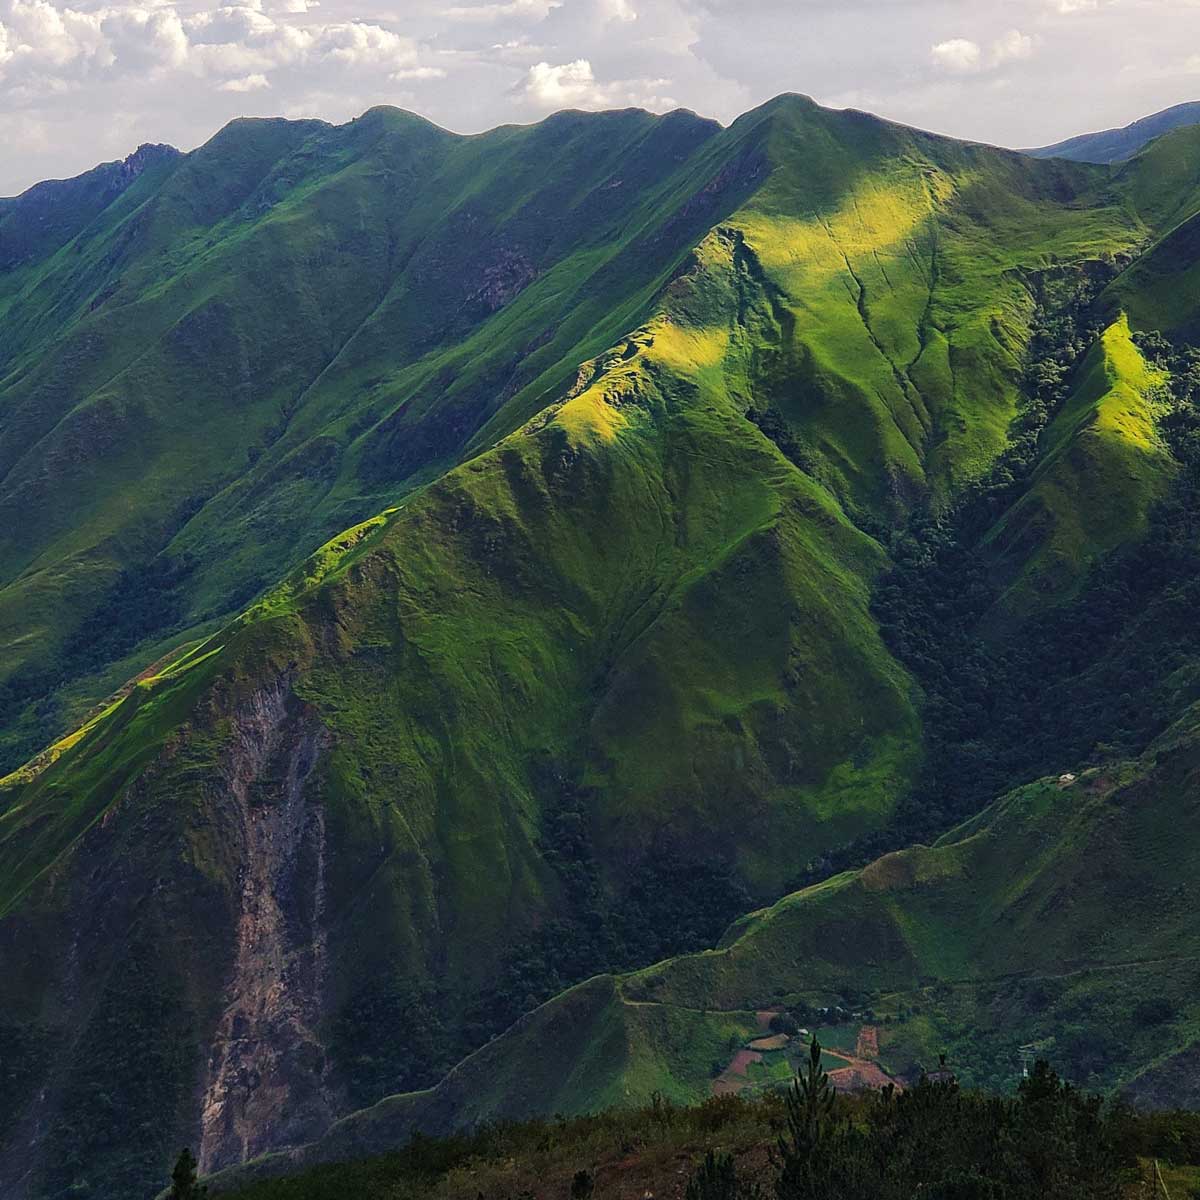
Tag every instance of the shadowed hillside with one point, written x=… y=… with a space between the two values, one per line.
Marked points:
x=1060 y=918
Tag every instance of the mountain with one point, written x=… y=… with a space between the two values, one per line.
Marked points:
x=49 y=215
x=460 y=568
x=1120 y=145
x=322 y=305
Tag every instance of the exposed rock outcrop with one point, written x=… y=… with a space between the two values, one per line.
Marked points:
x=266 y=1075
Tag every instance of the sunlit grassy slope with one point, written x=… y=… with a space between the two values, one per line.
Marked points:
x=1102 y=466
x=258 y=344
x=615 y=413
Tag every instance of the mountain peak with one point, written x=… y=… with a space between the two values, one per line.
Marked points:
x=797 y=100
x=147 y=155
x=52 y=212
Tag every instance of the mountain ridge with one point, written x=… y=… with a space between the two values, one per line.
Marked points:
x=600 y=662
x=1119 y=145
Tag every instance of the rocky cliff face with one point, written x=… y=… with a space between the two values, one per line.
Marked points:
x=267 y=1074
x=238 y=866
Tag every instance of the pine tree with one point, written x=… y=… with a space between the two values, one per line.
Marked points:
x=715 y=1180
x=814 y=1156
x=183 y=1178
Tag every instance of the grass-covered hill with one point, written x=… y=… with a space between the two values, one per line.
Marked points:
x=529 y=553
x=209 y=371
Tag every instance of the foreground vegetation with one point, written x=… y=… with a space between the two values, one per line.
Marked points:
x=935 y=1139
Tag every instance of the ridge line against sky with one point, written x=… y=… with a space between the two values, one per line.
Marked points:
x=166 y=146
x=86 y=81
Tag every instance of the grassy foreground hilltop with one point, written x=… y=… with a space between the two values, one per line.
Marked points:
x=529 y=553
x=937 y=1138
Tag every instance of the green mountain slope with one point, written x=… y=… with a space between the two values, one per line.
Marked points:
x=347 y=311
x=339 y=310
x=34 y=225
x=599 y=436
x=1070 y=515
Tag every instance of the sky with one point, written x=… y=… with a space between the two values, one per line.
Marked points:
x=85 y=82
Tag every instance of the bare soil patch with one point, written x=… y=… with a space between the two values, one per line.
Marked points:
x=733 y=1078
x=777 y=1041
x=867 y=1045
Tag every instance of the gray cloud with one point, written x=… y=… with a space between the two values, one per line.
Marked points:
x=85 y=80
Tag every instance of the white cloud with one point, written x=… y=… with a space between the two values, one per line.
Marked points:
x=617 y=10
x=143 y=39
x=418 y=73
x=1012 y=46
x=964 y=56
x=561 y=86
x=238 y=40
x=52 y=44
x=534 y=10
x=959 y=56
x=359 y=44
x=248 y=83
x=42 y=38
x=232 y=23
x=547 y=87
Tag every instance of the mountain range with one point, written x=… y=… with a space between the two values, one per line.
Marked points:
x=449 y=585
x=1120 y=145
